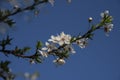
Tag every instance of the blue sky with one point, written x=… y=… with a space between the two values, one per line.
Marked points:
x=100 y=60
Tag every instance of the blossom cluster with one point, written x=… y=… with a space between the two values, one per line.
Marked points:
x=108 y=26
x=61 y=45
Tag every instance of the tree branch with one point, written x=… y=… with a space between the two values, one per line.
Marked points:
x=12 y=52
x=22 y=10
x=33 y=56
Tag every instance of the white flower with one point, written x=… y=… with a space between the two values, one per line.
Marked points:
x=106 y=13
x=64 y=39
x=51 y=2
x=108 y=27
x=61 y=39
x=49 y=47
x=82 y=42
x=43 y=53
x=59 y=61
x=69 y=48
x=54 y=39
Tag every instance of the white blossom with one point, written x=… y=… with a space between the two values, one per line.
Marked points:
x=51 y=2
x=49 y=47
x=59 y=61
x=82 y=42
x=108 y=28
x=43 y=53
x=106 y=13
x=69 y=48
x=54 y=39
x=61 y=39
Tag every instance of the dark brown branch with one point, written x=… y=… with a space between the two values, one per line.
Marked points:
x=22 y=10
x=12 y=52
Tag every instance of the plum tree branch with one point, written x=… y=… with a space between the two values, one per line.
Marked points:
x=12 y=52
x=18 y=10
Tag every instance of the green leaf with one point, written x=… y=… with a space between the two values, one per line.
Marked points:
x=4 y=65
x=21 y=51
x=38 y=60
x=8 y=40
x=108 y=20
x=18 y=50
x=39 y=45
x=25 y=49
x=10 y=22
x=7 y=12
x=64 y=54
x=73 y=39
x=90 y=36
x=93 y=27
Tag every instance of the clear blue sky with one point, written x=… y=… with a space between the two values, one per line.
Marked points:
x=100 y=60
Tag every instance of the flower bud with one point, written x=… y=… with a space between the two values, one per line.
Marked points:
x=59 y=61
x=32 y=61
x=106 y=12
x=90 y=19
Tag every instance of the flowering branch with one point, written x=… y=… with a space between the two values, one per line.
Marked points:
x=4 y=15
x=61 y=45
x=66 y=42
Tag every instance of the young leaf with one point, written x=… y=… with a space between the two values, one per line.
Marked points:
x=10 y=22
x=4 y=65
x=39 y=45
x=25 y=49
x=38 y=60
x=93 y=27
